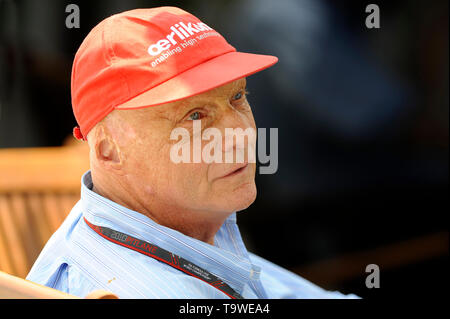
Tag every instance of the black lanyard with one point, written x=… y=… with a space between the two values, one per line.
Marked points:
x=165 y=256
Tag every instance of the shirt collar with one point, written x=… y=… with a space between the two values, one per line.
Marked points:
x=228 y=259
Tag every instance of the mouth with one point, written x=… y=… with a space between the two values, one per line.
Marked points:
x=236 y=171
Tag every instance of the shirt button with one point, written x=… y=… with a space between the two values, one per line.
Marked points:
x=254 y=275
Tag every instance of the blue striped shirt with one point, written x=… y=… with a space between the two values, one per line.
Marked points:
x=77 y=260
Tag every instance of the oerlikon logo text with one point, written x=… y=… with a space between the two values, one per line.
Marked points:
x=180 y=31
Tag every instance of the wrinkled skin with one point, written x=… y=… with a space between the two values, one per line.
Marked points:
x=131 y=165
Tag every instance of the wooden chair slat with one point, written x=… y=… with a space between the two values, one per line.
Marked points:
x=5 y=259
x=67 y=201
x=38 y=217
x=13 y=243
x=56 y=169
x=52 y=210
x=24 y=227
x=38 y=189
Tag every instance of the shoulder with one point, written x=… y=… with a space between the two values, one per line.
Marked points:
x=54 y=267
x=282 y=283
x=77 y=262
x=67 y=278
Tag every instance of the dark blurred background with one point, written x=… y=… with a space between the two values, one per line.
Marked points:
x=362 y=116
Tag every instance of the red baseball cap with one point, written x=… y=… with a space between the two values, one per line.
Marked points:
x=147 y=57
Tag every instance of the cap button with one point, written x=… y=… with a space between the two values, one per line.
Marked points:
x=77 y=133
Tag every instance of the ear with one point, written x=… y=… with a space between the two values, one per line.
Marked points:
x=106 y=150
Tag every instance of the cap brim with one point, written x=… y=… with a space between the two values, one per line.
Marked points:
x=201 y=78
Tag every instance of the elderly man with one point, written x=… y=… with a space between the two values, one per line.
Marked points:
x=145 y=226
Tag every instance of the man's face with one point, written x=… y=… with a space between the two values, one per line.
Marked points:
x=145 y=147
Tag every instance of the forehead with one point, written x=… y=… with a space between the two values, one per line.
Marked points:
x=218 y=92
x=169 y=108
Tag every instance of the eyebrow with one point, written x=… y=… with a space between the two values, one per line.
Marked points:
x=231 y=87
x=158 y=112
x=184 y=104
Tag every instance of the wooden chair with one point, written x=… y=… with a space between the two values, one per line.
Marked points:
x=12 y=287
x=38 y=188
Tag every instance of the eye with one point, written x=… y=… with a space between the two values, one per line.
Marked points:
x=238 y=96
x=195 y=116
x=239 y=100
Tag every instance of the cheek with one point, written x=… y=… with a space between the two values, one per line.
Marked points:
x=148 y=161
x=125 y=134
x=149 y=190
x=151 y=164
x=167 y=178
x=191 y=176
x=186 y=183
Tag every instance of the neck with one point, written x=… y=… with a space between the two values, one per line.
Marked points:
x=195 y=224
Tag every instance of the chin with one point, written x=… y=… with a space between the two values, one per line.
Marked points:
x=240 y=198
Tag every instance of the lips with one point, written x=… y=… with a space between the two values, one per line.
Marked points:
x=236 y=169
